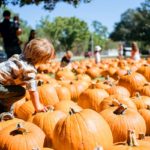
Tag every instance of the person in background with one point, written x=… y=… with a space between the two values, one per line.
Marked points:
x=32 y=35
x=8 y=32
x=97 y=54
x=16 y=22
x=18 y=74
x=120 y=51
x=66 y=59
x=135 y=53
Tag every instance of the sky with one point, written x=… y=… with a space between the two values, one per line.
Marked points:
x=107 y=12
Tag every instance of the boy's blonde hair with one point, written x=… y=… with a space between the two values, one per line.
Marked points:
x=38 y=51
x=69 y=54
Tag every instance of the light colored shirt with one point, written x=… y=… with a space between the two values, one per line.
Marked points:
x=16 y=71
x=97 y=57
x=136 y=56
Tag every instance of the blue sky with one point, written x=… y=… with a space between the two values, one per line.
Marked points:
x=105 y=11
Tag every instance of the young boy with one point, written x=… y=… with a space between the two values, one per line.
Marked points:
x=66 y=59
x=20 y=70
x=97 y=54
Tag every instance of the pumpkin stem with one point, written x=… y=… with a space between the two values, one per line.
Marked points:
x=115 y=102
x=99 y=148
x=137 y=94
x=148 y=107
x=107 y=78
x=71 y=111
x=51 y=108
x=92 y=86
x=146 y=84
x=128 y=72
x=131 y=139
x=120 y=110
x=141 y=136
x=40 y=82
x=20 y=129
x=6 y=116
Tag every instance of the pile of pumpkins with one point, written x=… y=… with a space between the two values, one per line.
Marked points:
x=104 y=106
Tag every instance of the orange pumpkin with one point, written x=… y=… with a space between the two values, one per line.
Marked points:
x=145 y=71
x=65 y=106
x=131 y=144
x=83 y=130
x=48 y=94
x=63 y=93
x=132 y=81
x=121 y=119
x=21 y=137
x=116 y=100
x=141 y=101
x=118 y=90
x=92 y=97
x=47 y=122
x=7 y=119
x=145 y=112
x=25 y=110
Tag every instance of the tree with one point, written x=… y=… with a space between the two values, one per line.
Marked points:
x=65 y=33
x=100 y=33
x=47 y=4
x=134 y=25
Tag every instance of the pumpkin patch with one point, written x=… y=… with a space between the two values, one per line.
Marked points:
x=91 y=107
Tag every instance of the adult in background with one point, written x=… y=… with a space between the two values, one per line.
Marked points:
x=97 y=54
x=135 y=53
x=32 y=35
x=120 y=51
x=8 y=31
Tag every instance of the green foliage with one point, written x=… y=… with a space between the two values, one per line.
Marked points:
x=134 y=25
x=100 y=34
x=65 y=33
x=47 y=4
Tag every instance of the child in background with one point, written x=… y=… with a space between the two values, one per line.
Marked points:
x=66 y=59
x=20 y=70
x=120 y=51
x=135 y=54
x=97 y=54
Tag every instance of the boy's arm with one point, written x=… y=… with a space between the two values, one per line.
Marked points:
x=34 y=95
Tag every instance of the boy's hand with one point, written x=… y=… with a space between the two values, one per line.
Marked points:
x=41 y=108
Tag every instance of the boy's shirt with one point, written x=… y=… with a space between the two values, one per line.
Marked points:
x=16 y=71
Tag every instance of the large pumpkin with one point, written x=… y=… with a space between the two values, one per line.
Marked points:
x=25 y=110
x=84 y=130
x=144 y=90
x=131 y=143
x=145 y=71
x=118 y=90
x=24 y=136
x=48 y=94
x=132 y=81
x=145 y=112
x=7 y=119
x=65 y=106
x=63 y=93
x=47 y=121
x=141 y=101
x=92 y=97
x=116 y=100
x=121 y=119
